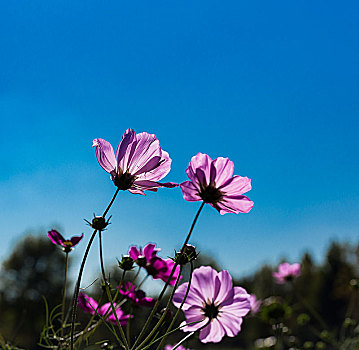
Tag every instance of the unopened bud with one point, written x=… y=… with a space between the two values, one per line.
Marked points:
x=99 y=223
x=189 y=254
x=126 y=263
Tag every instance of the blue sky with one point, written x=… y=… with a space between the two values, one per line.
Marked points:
x=271 y=85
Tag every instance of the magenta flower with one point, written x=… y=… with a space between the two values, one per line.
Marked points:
x=286 y=272
x=66 y=244
x=211 y=181
x=91 y=306
x=139 y=163
x=213 y=302
x=138 y=297
x=255 y=304
x=155 y=266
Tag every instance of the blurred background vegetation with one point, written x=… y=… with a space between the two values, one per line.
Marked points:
x=35 y=269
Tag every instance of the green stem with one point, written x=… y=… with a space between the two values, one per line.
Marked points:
x=149 y=319
x=142 y=282
x=123 y=336
x=77 y=288
x=178 y=311
x=164 y=313
x=183 y=340
x=64 y=294
x=128 y=327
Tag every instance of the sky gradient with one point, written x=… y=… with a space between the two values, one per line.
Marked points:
x=271 y=85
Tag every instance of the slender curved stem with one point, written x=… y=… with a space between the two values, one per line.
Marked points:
x=167 y=282
x=178 y=311
x=123 y=336
x=189 y=335
x=64 y=294
x=183 y=340
x=164 y=313
x=101 y=258
x=192 y=227
x=77 y=288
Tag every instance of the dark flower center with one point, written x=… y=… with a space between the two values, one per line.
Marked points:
x=124 y=181
x=211 y=194
x=151 y=270
x=211 y=311
x=289 y=278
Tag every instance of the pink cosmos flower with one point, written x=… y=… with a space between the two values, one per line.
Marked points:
x=211 y=181
x=67 y=244
x=128 y=290
x=155 y=266
x=139 y=163
x=91 y=306
x=286 y=272
x=213 y=302
x=255 y=304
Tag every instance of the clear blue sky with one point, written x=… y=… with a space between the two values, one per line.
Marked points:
x=273 y=85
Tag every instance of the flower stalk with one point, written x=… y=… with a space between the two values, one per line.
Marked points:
x=77 y=287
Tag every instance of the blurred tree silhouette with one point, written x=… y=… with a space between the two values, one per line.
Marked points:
x=34 y=269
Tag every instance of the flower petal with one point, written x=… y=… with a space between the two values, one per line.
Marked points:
x=159 y=172
x=147 y=147
x=105 y=154
x=134 y=253
x=224 y=168
x=125 y=149
x=233 y=204
x=151 y=185
x=230 y=323
x=223 y=287
x=76 y=239
x=201 y=167
x=239 y=306
x=87 y=303
x=193 y=298
x=190 y=192
x=214 y=332
x=150 y=251
x=203 y=280
x=194 y=314
x=236 y=185
x=56 y=237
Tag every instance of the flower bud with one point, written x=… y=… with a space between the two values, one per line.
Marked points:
x=126 y=263
x=99 y=223
x=189 y=254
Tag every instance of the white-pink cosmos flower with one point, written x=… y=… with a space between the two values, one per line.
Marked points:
x=139 y=162
x=286 y=272
x=212 y=182
x=213 y=303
